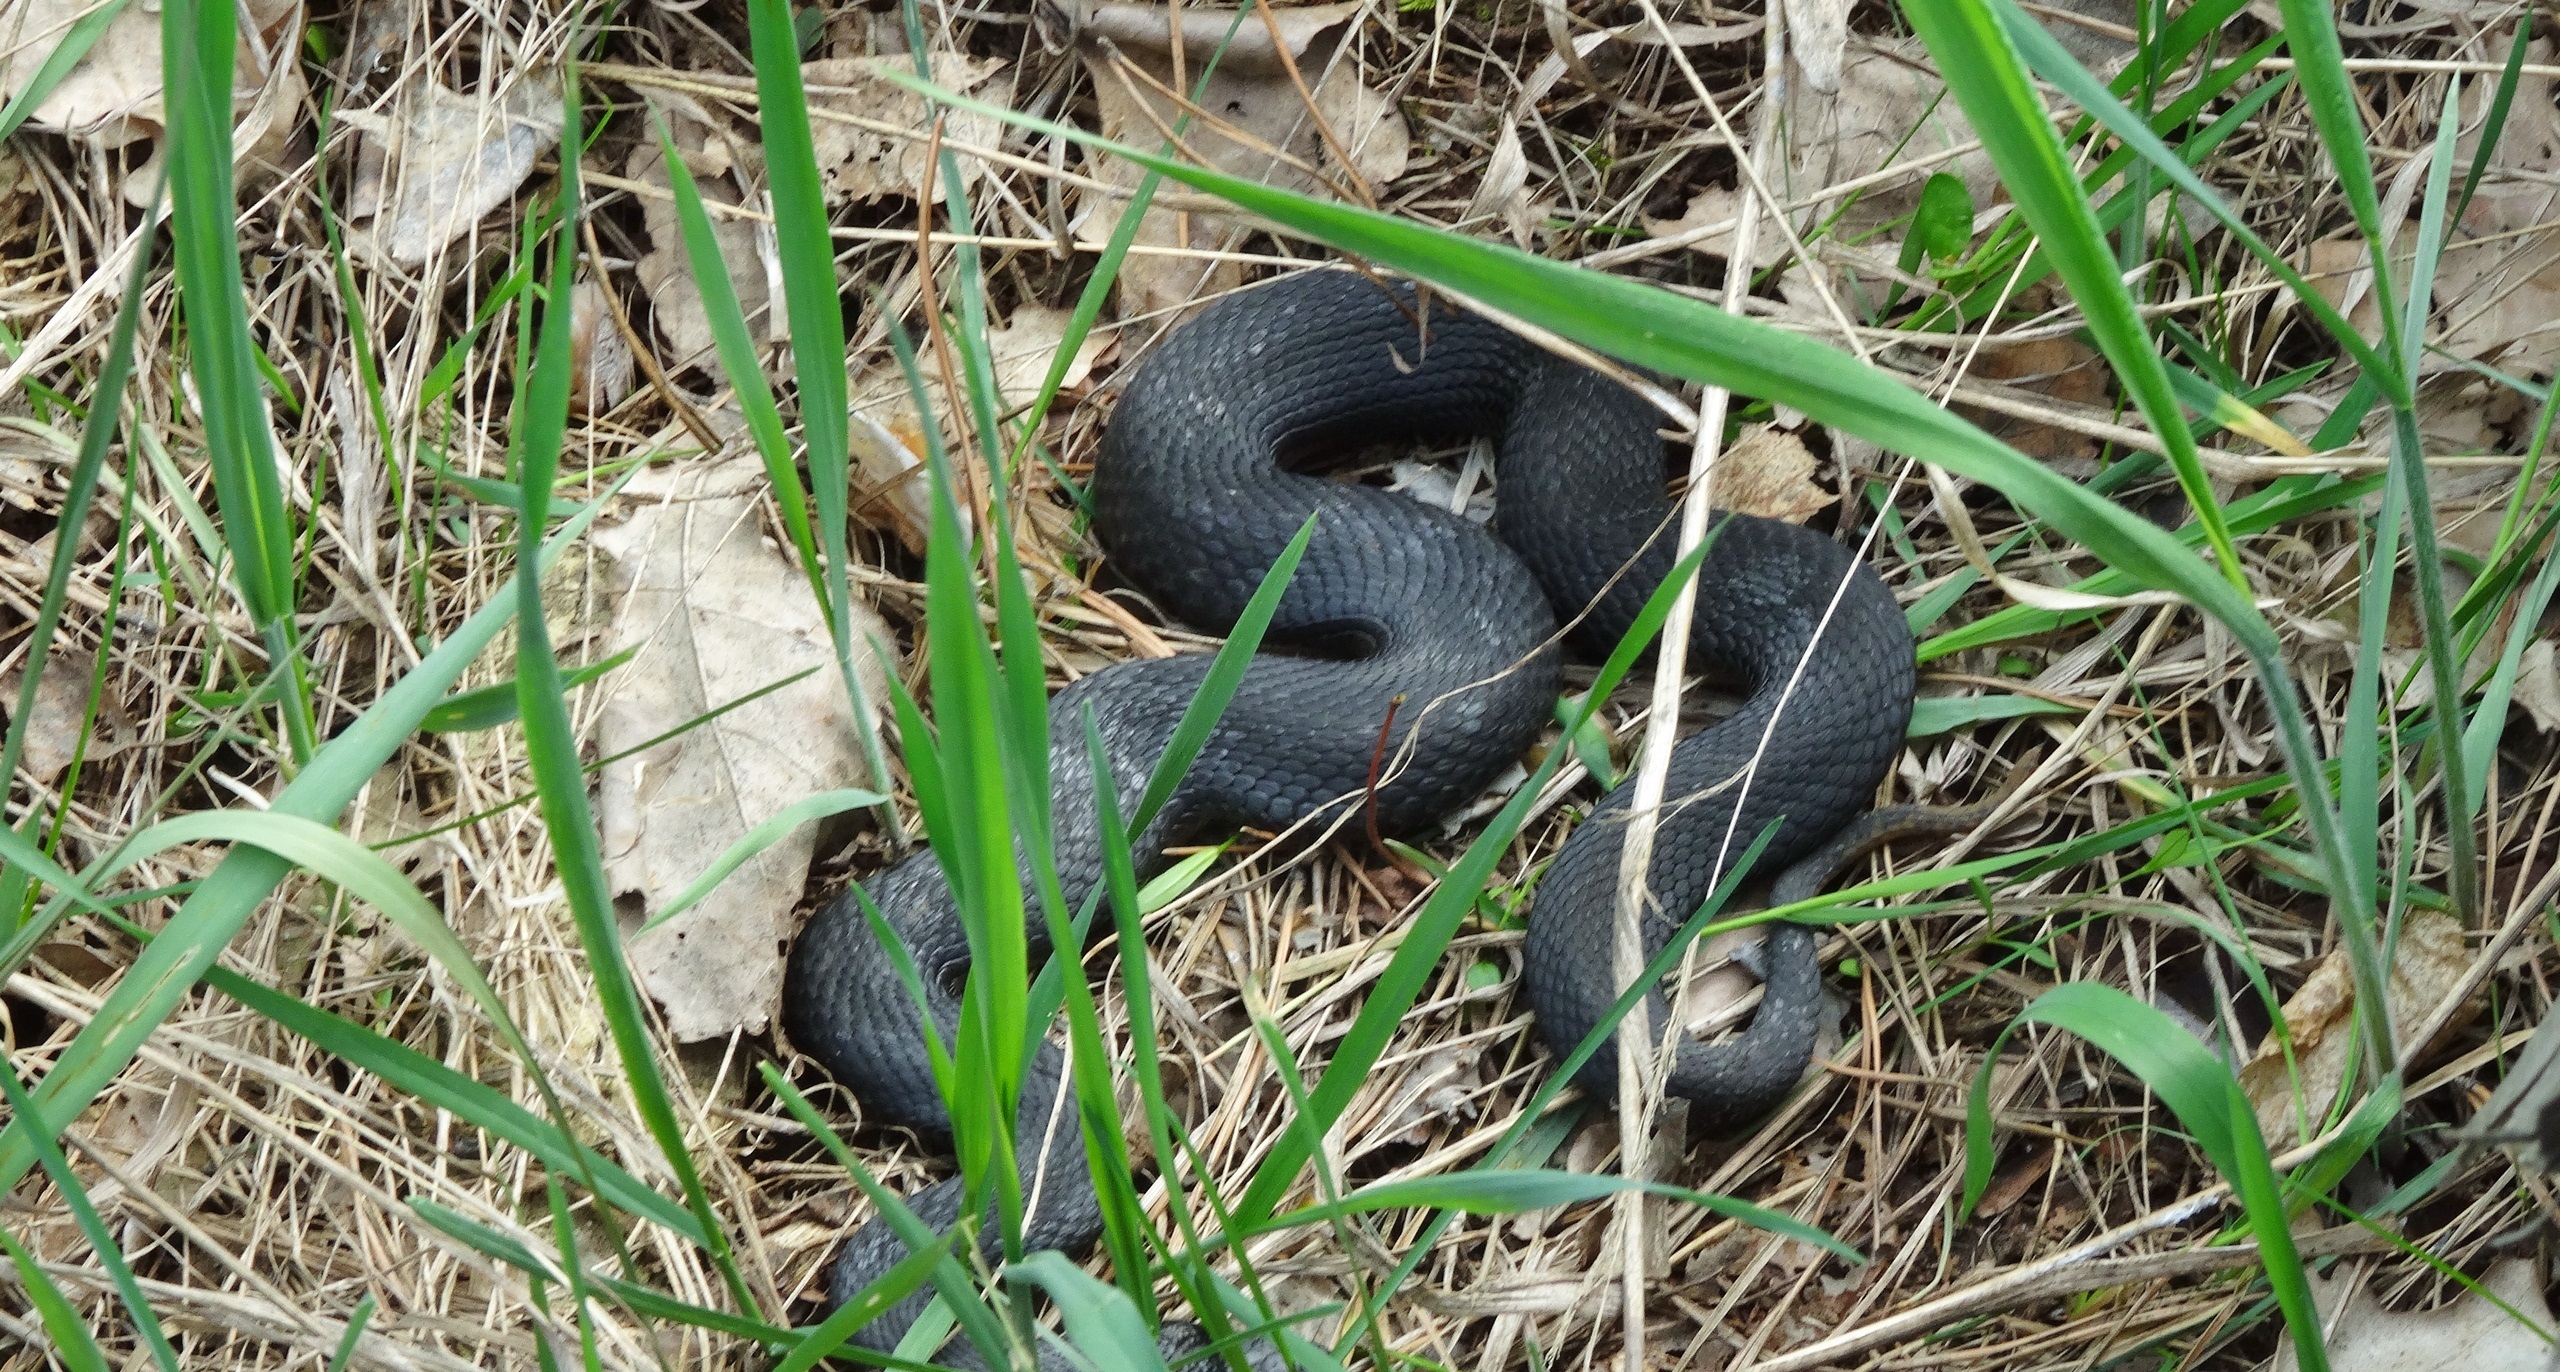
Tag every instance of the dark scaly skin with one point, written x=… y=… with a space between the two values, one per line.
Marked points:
x=1194 y=505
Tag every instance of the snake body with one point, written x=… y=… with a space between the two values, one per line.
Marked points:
x=1194 y=499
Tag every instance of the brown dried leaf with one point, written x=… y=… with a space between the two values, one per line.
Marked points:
x=599 y=359
x=665 y=271
x=2319 y=1018
x=717 y=610
x=1769 y=472
x=2063 y=369
x=1258 y=110
x=1026 y=342
x=53 y=727
x=113 y=94
x=427 y=171
x=861 y=163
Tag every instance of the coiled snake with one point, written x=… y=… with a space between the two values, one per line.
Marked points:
x=1194 y=499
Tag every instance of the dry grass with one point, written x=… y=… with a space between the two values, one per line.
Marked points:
x=258 y=1186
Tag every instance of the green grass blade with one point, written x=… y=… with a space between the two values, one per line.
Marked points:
x=2488 y=724
x=737 y=353
x=2493 y=128
x=72 y=1342
x=2320 y=67
x=2201 y=1091
x=354 y=1334
x=492 y=706
x=551 y=740
x=2444 y=667
x=102 y=1243
x=196 y=935
x=974 y=715
x=198 y=41
x=75 y=44
x=482 y=1239
x=1511 y=1191
x=2431 y=226
x=755 y=841
x=1989 y=79
x=1119 y=877
x=1124 y=1224
x=814 y=306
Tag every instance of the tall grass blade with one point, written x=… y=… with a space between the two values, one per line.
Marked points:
x=2320 y=67
x=1988 y=78
x=2493 y=128
x=2201 y=1091
x=198 y=40
x=171 y=964
x=76 y=1197
x=1512 y=1191
x=814 y=305
x=551 y=741
x=72 y=1342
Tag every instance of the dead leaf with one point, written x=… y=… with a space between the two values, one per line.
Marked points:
x=1769 y=472
x=888 y=440
x=1891 y=107
x=1817 y=38
x=871 y=133
x=2538 y=686
x=53 y=727
x=1262 y=129
x=1023 y=346
x=430 y=168
x=718 y=611
x=1503 y=190
x=1710 y=223
x=2319 y=1018
x=2065 y=370
x=113 y=95
x=599 y=359
x=2472 y=1332
x=665 y=271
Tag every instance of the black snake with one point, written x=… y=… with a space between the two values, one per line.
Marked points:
x=1194 y=498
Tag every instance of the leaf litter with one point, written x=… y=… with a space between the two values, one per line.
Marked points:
x=1446 y=114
